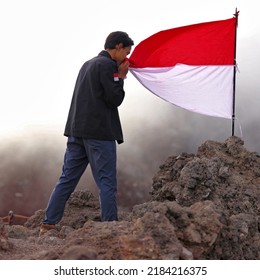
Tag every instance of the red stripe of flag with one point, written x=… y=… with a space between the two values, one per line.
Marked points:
x=209 y=43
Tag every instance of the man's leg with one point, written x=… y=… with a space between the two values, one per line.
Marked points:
x=75 y=163
x=102 y=159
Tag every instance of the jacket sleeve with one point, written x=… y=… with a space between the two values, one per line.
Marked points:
x=113 y=87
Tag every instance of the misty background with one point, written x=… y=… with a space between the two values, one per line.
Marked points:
x=44 y=43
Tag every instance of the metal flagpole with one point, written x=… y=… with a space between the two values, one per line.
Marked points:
x=234 y=76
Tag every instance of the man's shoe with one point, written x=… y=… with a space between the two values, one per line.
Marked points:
x=44 y=228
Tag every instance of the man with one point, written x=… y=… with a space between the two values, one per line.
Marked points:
x=93 y=127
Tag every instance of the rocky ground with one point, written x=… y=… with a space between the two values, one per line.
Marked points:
x=202 y=206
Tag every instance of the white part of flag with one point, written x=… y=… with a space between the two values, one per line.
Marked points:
x=205 y=89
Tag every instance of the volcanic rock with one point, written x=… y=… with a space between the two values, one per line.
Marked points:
x=202 y=206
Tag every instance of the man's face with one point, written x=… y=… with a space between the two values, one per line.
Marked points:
x=122 y=53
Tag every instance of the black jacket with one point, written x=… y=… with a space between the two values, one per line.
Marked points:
x=98 y=92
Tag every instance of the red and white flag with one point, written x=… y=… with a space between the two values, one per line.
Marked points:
x=190 y=66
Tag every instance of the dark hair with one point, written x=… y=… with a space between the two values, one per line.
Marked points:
x=116 y=38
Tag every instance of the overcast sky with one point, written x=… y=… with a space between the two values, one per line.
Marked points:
x=45 y=42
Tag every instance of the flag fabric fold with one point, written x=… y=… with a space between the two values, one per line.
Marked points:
x=190 y=66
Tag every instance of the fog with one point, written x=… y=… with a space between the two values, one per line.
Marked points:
x=153 y=130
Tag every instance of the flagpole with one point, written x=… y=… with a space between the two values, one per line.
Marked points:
x=234 y=76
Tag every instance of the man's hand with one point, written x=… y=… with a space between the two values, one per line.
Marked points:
x=123 y=69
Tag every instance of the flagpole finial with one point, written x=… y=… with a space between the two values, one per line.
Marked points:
x=236 y=14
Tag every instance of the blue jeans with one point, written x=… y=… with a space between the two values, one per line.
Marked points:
x=101 y=155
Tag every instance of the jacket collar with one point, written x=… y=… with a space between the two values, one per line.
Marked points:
x=105 y=53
